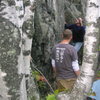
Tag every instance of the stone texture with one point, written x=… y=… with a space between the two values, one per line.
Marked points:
x=49 y=24
x=72 y=10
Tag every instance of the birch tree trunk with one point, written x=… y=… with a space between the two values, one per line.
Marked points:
x=90 y=60
x=16 y=29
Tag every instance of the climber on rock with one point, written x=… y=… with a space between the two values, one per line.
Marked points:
x=78 y=31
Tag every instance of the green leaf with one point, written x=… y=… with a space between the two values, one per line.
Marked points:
x=51 y=97
x=37 y=77
x=35 y=73
x=93 y=94
x=56 y=91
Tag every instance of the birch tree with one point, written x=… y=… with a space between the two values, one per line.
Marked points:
x=16 y=29
x=90 y=59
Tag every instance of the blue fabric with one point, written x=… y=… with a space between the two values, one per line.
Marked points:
x=96 y=89
x=78 y=32
x=77 y=45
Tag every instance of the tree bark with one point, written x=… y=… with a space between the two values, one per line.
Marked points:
x=16 y=31
x=90 y=59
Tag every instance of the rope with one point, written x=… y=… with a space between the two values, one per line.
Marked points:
x=42 y=75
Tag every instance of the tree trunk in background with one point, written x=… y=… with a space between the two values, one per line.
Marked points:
x=90 y=61
x=16 y=31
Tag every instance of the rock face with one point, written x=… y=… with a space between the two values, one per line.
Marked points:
x=72 y=10
x=20 y=22
x=49 y=24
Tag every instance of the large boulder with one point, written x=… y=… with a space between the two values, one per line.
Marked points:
x=49 y=24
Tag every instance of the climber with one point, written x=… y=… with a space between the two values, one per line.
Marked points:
x=78 y=33
x=65 y=62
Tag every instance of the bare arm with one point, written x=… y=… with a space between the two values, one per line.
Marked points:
x=77 y=72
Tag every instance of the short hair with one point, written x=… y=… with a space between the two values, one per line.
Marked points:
x=67 y=34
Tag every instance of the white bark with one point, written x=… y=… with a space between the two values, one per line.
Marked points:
x=90 y=61
x=16 y=14
x=24 y=63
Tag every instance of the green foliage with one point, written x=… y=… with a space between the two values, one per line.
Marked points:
x=91 y=93
x=56 y=91
x=35 y=73
x=41 y=84
x=51 y=97
x=98 y=74
x=38 y=77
